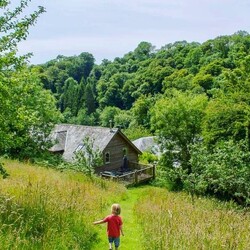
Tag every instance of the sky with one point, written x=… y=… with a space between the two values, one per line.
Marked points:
x=112 y=28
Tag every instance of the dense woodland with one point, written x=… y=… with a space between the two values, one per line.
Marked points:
x=194 y=97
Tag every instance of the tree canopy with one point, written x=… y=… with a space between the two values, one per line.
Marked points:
x=27 y=110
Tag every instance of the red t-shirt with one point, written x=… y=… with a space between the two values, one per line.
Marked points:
x=113 y=226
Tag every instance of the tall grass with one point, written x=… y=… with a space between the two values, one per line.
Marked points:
x=171 y=221
x=44 y=209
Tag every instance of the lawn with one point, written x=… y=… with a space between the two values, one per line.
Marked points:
x=46 y=209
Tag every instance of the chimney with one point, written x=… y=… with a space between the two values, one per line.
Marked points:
x=110 y=125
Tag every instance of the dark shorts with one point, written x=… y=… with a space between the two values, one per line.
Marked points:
x=115 y=240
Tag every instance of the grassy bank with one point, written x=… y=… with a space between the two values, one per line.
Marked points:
x=171 y=221
x=45 y=209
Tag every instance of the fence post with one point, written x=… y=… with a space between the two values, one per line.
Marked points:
x=153 y=171
x=136 y=177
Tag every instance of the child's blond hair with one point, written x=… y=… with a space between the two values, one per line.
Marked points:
x=116 y=209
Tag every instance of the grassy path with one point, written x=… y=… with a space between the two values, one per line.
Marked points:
x=131 y=229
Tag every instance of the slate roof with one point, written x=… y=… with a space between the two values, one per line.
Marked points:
x=70 y=137
x=148 y=144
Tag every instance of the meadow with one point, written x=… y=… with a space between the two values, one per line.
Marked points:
x=174 y=221
x=42 y=208
x=46 y=209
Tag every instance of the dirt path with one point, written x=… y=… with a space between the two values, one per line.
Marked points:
x=131 y=229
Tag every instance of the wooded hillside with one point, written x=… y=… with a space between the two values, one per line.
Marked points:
x=194 y=97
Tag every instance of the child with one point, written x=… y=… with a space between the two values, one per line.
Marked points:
x=114 y=226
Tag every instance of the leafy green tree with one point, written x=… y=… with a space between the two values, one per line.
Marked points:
x=177 y=120
x=123 y=119
x=180 y=80
x=69 y=98
x=83 y=118
x=29 y=116
x=27 y=111
x=192 y=60
x=109 y=92
x=223 y=171
x=88 y=158
x=89 y=97
x=86 y=64
x=81 y=88
x=14 y=28
x=134 y=132
x=143 y=51
x=107 y=116
x=141 y=111
x=228 y=113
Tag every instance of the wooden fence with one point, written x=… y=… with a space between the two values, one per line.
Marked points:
x=139 y=173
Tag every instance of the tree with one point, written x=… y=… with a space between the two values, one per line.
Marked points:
x=27 y=110
x=13 y=29
x=143 y=51
x=87 y=158
x=223 y=171
x=107 y=115
x=141 y=111
x=29 y=115
x=177 y=120
x=89 y=99
x=69 y=98
x=228 y=113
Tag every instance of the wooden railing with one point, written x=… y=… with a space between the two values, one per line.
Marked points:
x=139 y=173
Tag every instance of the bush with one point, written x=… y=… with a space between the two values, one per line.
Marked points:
x=147 y=157
x=224 y=171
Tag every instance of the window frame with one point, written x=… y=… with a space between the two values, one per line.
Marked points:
x=107 y=156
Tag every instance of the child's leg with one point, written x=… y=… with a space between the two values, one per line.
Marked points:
x=110 y=239
x=110 y=246
x=117 y=243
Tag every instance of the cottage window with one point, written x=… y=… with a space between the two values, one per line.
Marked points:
x=125 y=151
x=107 y=157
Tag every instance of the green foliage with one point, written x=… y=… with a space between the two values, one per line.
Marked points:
x=3 y=171
x=14 y=28
x=141 y=111
x=87 y=158
x=134 y=132
x=123 y=119
x=177 y=120
x=28 y=116
x=67 y=77
x=147 y=158
x=184 y=92
x=27 y=110
x=223 y=171
x=107 y=116
x=70 y=89
x=228 y=114
x=142 y=74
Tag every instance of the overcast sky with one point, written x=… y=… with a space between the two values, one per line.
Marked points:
x=112 y=28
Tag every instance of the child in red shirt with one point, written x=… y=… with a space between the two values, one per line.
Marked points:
x=114 y=226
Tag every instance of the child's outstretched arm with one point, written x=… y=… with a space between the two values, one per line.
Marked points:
x=98 y=222
x=121 y=231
